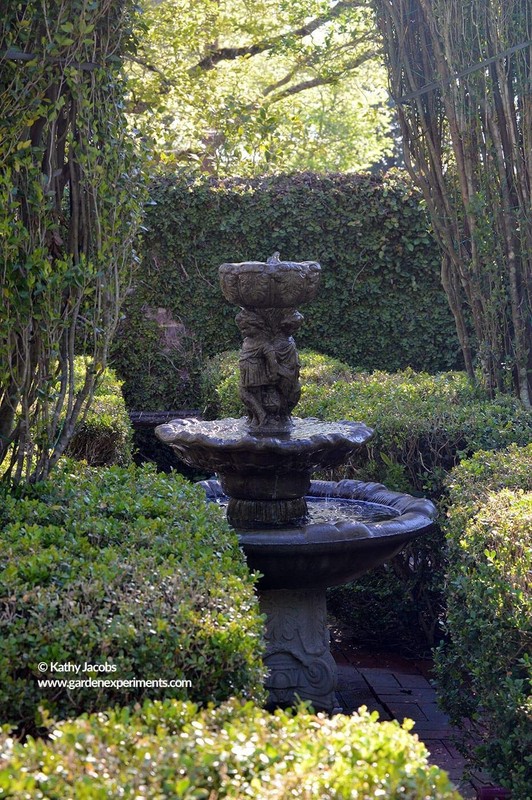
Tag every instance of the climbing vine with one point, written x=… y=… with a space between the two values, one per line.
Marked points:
x=70 y=203
x=380 y=303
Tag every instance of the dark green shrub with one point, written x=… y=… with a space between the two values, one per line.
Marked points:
x=423 y=425
x=129 y=568
x=105 y=436
x=484 y=669
x=169 y=750
x=470 y=484
x=380 y=305
x=399 y=605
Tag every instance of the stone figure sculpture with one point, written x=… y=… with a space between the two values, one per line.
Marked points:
x=269 y=364
x=288 y=361
x=269 y=367
x=259 y=370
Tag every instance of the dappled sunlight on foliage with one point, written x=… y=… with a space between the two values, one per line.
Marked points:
x=484 y=668
x=235 y=751
x=228 y=90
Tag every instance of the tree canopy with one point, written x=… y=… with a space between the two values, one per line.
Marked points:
x=241 y=87
x=461 y=75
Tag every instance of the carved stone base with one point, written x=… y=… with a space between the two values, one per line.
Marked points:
x=297 y=649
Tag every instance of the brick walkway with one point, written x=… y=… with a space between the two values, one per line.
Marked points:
x=397 y=688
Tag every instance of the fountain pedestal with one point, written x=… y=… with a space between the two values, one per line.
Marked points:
x=297 y=649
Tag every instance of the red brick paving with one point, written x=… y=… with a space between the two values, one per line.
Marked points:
x=398 y=687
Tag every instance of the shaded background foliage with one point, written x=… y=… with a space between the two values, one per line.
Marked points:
x=380 y=305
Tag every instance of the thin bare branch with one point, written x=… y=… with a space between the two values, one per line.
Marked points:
x=322 y=80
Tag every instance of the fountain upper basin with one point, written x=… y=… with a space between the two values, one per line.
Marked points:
x=271 y=284
x=323 y=554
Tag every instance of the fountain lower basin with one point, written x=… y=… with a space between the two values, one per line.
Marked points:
x=322 y=554
x=297 y=564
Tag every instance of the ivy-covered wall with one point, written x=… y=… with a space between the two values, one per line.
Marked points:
x=380 y=305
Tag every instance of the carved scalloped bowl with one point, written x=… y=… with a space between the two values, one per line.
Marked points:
x=281 y=284
x=227 y=445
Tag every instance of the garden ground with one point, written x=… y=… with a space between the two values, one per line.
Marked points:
x=399 y=687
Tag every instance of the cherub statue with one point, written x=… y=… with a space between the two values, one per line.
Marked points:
x=258 y=370
x=288 y=361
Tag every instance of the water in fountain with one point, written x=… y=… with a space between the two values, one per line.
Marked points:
x=331 y=509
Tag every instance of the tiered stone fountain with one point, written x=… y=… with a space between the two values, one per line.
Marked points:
x=301 y=535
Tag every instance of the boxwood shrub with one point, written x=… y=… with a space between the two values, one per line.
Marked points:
x=105 y=436
x=127 y=568
x=423 y=423
x=485 y=668
x=169 y=750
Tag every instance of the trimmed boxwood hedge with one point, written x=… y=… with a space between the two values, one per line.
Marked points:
x=485 y=668
x=169 y=750
x=125 y=567
x=105 y=436
x=380 y=304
